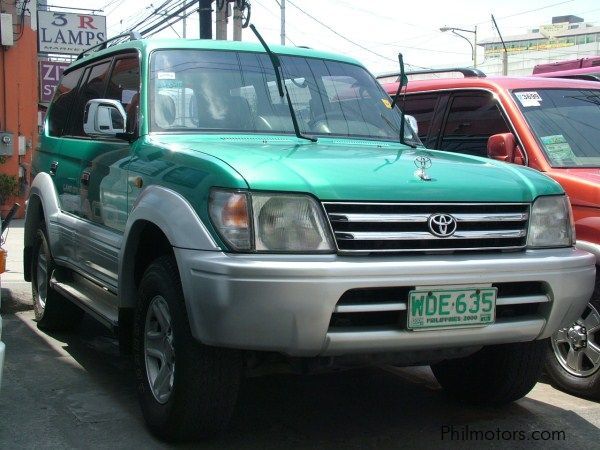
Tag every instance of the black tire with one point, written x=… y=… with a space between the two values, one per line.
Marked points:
x=55 y=313
x=576 y=382
x=205 y=380
x=495 y=375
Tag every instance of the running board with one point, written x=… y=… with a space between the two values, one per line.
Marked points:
x=92 y=298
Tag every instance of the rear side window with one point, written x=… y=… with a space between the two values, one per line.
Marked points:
x=472 y=119
x=422 y=107
x=63 y=102
x=93 y=86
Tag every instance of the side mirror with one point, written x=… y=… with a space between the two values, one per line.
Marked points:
x=104 y=118
x=504 y=147
x=412 y=121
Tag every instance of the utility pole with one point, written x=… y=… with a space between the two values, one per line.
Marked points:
x=222 y=13
x=205 y=13
x=184 y=24
x=282 y=6
x=505 y=53
x=475 y=48
x=237 y=23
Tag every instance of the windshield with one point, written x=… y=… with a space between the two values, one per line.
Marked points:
x=236 y=92
x=566 y=123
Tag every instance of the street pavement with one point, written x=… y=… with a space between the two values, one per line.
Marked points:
x=76 y=391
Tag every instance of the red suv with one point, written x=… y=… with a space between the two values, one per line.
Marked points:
x=551 y=125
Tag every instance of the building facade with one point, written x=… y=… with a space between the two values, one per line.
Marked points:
x=18 y=100
x=567 y=37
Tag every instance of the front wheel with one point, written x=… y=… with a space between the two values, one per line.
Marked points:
x=186 y=390
x=495 y=375
x=573 y=355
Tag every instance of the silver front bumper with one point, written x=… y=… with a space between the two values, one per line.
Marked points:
x=284 y=303
x=591 y=247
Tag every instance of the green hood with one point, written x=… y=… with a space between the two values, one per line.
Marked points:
x=365 y=170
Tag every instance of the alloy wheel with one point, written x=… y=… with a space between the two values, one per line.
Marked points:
x=42 y=278
x=159 y=351
x=577 y=347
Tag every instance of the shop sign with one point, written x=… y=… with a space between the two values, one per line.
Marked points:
x=50 y=73
x=69 y=33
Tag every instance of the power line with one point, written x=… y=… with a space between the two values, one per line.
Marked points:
x=110 y=3
x=346 y=38
x=527 y=11
x=166 y=21
x=274 y=15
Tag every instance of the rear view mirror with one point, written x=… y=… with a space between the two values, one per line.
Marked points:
x=104 y=118
x=504 y=147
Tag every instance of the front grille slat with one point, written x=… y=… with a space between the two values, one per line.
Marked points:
x=412 y=218
x=412 y=236
x=403 y=227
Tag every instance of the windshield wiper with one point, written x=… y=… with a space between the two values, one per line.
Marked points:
x=280 y=85
x=403 y=81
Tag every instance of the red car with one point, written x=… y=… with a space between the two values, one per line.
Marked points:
x=582 y=69
x=551 y=125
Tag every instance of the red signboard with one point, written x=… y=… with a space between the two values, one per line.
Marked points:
x=50 y=73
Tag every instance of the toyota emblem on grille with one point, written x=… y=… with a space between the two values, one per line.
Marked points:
x=442 y=225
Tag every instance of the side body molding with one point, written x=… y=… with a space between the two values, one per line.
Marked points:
x=174 y=216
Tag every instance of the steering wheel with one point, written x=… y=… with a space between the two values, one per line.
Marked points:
x=300 y=85
x=321 y=119
x=324 y=117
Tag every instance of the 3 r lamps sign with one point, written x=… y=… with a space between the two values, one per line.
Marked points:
x=69 y=33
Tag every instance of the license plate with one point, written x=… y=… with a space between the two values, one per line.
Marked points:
x=451 y=308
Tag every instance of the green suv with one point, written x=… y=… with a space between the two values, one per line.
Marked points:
x=221 y=207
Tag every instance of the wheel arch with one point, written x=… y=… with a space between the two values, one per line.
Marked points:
x=42 y=205
x=160 y=220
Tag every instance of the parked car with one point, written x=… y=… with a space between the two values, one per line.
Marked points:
x=581 y=69
x=270 y=215
x=547 y=124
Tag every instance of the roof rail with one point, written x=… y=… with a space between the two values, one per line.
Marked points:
x=467 y=72
x=131 y=35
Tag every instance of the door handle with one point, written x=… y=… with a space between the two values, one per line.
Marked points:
x=53 y=167
x=85 y=178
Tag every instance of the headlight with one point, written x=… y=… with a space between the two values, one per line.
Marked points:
x=277 y=223
x=551 y=223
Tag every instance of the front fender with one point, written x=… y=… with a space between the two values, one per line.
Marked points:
x=174 y=216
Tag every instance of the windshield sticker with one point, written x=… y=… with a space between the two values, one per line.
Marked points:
x=169 y=84
x=387 y=103
x=529 y=98
x=165 y=75
x=558 y=148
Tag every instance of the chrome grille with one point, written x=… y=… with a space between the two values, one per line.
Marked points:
x=403 y=227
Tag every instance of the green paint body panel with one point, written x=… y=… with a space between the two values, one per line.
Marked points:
x=342 y=169
x=330 y=169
